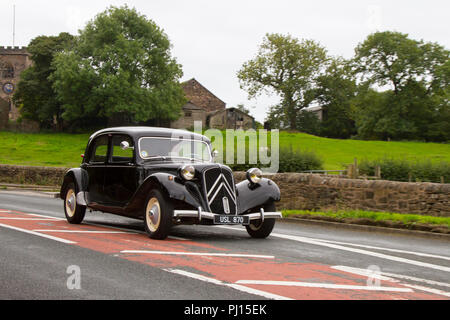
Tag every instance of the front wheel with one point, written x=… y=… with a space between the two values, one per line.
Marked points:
x=74 y=212
x=158 y=215
x=260 y=230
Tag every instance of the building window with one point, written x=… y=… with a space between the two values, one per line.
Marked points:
x=188 y=114
x=6 y=70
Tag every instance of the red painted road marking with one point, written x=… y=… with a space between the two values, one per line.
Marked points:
x=233 y=269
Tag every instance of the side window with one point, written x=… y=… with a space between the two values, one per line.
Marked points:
x=99 y=150
x=118 y=154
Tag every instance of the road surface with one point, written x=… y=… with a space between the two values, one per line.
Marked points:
x=110 y=257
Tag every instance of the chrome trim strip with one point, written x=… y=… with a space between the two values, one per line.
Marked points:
x=214 y=185
x=215 y=194
x=210 y=215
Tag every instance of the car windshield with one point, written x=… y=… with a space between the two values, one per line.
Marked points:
x=154 y=148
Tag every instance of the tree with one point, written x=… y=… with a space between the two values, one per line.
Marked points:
x=288 y=67
x=35 y=90
x=415 y=76
x=121 y=68
x=336 y=90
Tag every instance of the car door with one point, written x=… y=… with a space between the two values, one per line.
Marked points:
x=96 y=167
x=121 y=178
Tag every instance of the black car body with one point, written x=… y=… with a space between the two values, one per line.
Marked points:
x=165 y=177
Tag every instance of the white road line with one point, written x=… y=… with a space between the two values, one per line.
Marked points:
x=81 y=231
x=426 y=289
x=245 y=289
x=388 y=276
x=112 y=227
x=130 y=231
x=385 y=276
x=360 y=251
x=386 y=249
x=50 y=217
x=38 y=234
x=199 y=254
x=30 y=219
x=178 y=238
x=323 y=285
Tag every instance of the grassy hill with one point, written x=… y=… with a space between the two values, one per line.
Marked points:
x=64 y=150
x=336 y=152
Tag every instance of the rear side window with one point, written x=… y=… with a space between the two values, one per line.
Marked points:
x=120 y=155
x=99 y=151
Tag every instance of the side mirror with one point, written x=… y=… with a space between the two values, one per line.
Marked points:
x=124 y=145
x=214 y=153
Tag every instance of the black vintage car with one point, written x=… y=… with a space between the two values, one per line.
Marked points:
x=166 y=177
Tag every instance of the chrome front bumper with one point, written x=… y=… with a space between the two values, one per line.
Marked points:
x=262 y=215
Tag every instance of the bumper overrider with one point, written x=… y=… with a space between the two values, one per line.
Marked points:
x=216 y=218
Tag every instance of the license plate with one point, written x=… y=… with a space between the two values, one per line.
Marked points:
x=221 y=219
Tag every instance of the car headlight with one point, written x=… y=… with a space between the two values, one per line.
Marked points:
x=254 y=175
x=187 y=172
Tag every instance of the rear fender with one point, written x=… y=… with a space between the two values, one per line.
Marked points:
x=80 y=178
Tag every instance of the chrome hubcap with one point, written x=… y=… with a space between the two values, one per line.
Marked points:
x=153 y=213
x=70 y=203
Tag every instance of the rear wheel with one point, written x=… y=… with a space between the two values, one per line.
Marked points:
x=158 y=215
x=262 y=229
x=74 y=212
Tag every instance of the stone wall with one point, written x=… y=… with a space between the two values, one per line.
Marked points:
x=31 y=175
x=306 y=191
x=314 y=192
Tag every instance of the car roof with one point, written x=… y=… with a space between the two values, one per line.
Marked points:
x=138 y=132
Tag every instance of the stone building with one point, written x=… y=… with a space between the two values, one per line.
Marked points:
x=206 y=107
x=13 y=60
x=231 y=118
x=190 y=114
x=317 y=110
x=201 y=102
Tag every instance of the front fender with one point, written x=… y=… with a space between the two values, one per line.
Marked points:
x=252 y=196
x=172 y=188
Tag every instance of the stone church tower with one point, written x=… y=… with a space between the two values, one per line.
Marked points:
x=13 y=60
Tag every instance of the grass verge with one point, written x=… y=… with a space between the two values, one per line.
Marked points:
x=381 y=219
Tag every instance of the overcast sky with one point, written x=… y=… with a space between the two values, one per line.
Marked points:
x=212 y=39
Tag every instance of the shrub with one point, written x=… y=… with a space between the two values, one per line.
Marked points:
x=403 y=170
x=289 y=161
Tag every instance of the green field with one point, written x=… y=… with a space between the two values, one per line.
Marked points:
x=337 y=153
x=64 y=150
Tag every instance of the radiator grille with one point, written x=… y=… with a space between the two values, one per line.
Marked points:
x=219 y=190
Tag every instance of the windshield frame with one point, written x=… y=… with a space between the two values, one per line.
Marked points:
x=171 y=157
